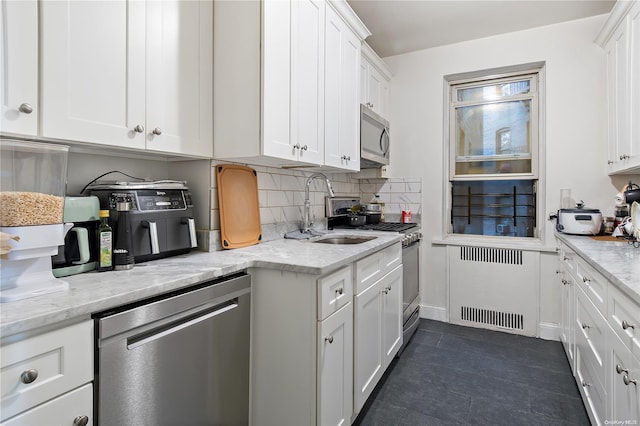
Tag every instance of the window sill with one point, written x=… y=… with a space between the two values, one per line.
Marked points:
x=527 y=244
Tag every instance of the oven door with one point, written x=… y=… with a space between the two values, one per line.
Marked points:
x=411 y=279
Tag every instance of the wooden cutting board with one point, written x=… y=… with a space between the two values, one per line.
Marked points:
x=239 y=208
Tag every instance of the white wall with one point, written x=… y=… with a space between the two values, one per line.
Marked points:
x=575 y=129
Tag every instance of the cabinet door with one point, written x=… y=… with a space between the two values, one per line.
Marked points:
x=68 y=409
x=364 y=81
x=567 y=307
x=618 y=96
x=367 y=351
x=179 y=77
x=391 y=314
x=335 y=368
x=342 y=68
x=307 y=79
x=19 y=67
x=375 y=82
x=93 y=71
x=623 y=394
x=634 y=48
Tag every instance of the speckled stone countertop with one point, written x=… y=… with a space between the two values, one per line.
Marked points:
x=617 y=261
x=94 y=292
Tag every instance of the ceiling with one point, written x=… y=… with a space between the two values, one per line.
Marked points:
x=401 y=26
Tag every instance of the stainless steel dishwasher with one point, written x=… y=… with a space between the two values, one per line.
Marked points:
x=179 y=359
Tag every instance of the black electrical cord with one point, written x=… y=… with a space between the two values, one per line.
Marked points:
x=108 y=173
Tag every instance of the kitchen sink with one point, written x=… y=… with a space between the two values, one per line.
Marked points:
x=344 y=239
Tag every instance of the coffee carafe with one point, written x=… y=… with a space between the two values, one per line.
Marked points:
x=80 y=252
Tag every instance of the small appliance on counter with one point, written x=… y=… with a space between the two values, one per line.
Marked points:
x=32 y=188
x=579 y=220
x=161 y=217
x=80 y=250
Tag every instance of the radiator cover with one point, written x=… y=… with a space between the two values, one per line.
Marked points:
x=494 y=288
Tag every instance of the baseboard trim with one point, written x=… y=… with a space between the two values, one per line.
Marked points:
x=434 y=313
x=549 y=331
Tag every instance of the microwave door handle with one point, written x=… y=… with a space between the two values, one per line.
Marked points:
x=384 y=148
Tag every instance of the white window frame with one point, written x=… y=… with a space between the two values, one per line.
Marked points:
x=538 y=171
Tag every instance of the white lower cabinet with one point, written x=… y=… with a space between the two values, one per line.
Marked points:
x=606 y=350
x=46 y=378
x=335 y=367
x=305 y=331
x=74 y=408
x=377 y=333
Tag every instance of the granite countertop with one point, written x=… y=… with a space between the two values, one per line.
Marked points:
x=94 y=292
x=617 y=261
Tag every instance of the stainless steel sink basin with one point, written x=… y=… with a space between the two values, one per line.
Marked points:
x=344 y=239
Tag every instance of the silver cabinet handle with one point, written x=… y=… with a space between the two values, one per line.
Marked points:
x=626 y=325
x=81 y=421
x=624 y=156
x=25 y=108
x=345 y=157
x=329 y=339
x=304 y=147
x=585 y=384
x=296 y=146
x=386 y=290
x=586 y=280
x=627 y=381
x=620 y=369
x=565 y=282
x=157 y=131
x=29 y=376
x=610 y=161
x=139 y=128
x=340 y=291
x=585 y=326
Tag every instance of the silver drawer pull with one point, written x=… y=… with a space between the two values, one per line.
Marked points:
x=339 y=291
x=620 y=369
x=25 y=108
x=29 y=376
x=626 y=325
x=585 y=326
x=329 y=339
x=627 y=381
x=81 y=421
x=586 y=280
x=565 y=282
x=585 y=384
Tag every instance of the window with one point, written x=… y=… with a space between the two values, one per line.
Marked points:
x=493 y=124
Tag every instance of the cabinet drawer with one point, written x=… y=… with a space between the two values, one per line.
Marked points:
x=372 y=268
x=624 y=319
x=592 y=390
x=334 y=291
x=61 y=359
x=568 y=259
x=593 y=284
x=591 y=334
x=60 y=411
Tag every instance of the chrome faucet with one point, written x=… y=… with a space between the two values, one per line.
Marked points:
x=306 y=224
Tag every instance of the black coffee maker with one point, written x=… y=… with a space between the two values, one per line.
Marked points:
x=80 y=251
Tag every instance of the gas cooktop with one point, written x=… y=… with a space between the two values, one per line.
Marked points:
x=390 y=226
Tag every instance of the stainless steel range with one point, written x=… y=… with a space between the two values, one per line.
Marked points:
x=337 y=217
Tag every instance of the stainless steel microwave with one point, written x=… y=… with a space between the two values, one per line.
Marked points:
x=374 y=139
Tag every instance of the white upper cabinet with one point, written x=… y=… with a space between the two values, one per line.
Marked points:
x=19 y=67
x=128 y=74
x=342 y=99
x=620 y=38
x=374 y=82
x=278 y=66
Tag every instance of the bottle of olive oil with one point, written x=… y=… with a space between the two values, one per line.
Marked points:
x=105 y=242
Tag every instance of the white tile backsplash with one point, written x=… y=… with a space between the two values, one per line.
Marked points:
x=281 y=198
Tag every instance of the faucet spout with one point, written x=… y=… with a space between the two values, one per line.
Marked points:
x=306 y=222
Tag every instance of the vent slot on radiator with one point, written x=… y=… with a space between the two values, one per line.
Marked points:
x=491 y=255
x=495 y=318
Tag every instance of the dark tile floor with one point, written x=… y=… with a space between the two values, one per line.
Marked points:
x=453 y=375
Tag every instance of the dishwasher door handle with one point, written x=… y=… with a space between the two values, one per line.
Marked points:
x=136 y=341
